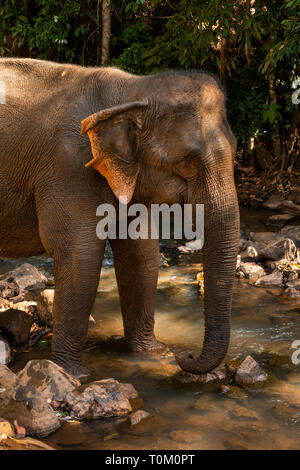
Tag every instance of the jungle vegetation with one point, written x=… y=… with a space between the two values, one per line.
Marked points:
x=252 y=45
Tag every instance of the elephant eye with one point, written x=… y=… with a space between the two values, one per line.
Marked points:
x=187 y=166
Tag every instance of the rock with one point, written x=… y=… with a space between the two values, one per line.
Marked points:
x=292 y=232
x=5 y=352
x=289 y=207
x=45 y=301
x=17 y=324
x=243 y=412
x=28 y=443
x=295 y=196
x=266 y=237
x=250 y=372
x=128 y=391
x=273 y=203
x=292 y=293
x=252 y=271
x=281 y=362
x=216 y=376
x=6 y=428
x=137 y=416
x=295 y=284
x=100 y=399
x=250 y=253
x=163 y=262
x=25 y=306
x=7 y=377
x=45 y=379
x=4 y=304
x=271 y=280
x=279 y=219
x=34 y=414
x=7 y=383
x=8 y=290
x=282 y=248
x=26 y=277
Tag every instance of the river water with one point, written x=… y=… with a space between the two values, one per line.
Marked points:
x=191 y=416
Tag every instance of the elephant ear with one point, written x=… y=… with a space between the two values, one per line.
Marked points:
x=114 y=137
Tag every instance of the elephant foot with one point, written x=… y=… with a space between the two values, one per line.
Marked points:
x=78 y=369
x=149 y=345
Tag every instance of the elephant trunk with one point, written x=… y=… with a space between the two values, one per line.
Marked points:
x=221 y=238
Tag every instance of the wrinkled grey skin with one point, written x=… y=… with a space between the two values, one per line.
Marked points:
x=175 y=145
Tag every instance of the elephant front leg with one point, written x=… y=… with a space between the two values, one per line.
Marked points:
x=136 y=266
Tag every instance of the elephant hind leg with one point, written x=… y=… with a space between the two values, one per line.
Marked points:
x=136 y=266
x=77 y=254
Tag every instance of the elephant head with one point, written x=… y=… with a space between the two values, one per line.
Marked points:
x=175 y=145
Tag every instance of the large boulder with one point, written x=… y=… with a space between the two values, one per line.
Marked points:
x=35 y=415
x=16 y=324
x=100 y=399
x=45 y=379
x=25 y=277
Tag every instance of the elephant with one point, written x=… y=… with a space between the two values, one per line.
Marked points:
x=75 y=137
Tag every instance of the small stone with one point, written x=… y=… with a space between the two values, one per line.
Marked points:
x=100 y=399
x=45 y=300
x=279 y=219
x=137 y=416
x=292 y=293
x=44 y=378
x=250 y=372
x=5 y=352
x=6 y=428
x=295 y=284
x=17 y=323
x=252 y=271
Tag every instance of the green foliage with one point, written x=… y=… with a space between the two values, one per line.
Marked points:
x=152 y=35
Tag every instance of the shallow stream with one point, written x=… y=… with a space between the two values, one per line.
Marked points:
x=191 y=416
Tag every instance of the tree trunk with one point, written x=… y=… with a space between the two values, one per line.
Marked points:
x=223 y=62
x=106 y=30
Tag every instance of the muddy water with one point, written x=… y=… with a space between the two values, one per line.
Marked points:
x=191 y=416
